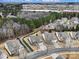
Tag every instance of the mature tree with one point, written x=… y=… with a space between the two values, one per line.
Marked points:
x=10 y=8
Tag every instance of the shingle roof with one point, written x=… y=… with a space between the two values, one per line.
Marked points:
x=2 y=55
x=35 y=39
x=13 y=46
x=73 y=34
x=64 y=35
x=77 y=35
x=50 y=36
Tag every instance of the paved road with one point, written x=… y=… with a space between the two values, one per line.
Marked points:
x=57 y=50
x=36 y=54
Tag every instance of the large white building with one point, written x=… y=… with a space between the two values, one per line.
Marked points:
x=50 y=7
